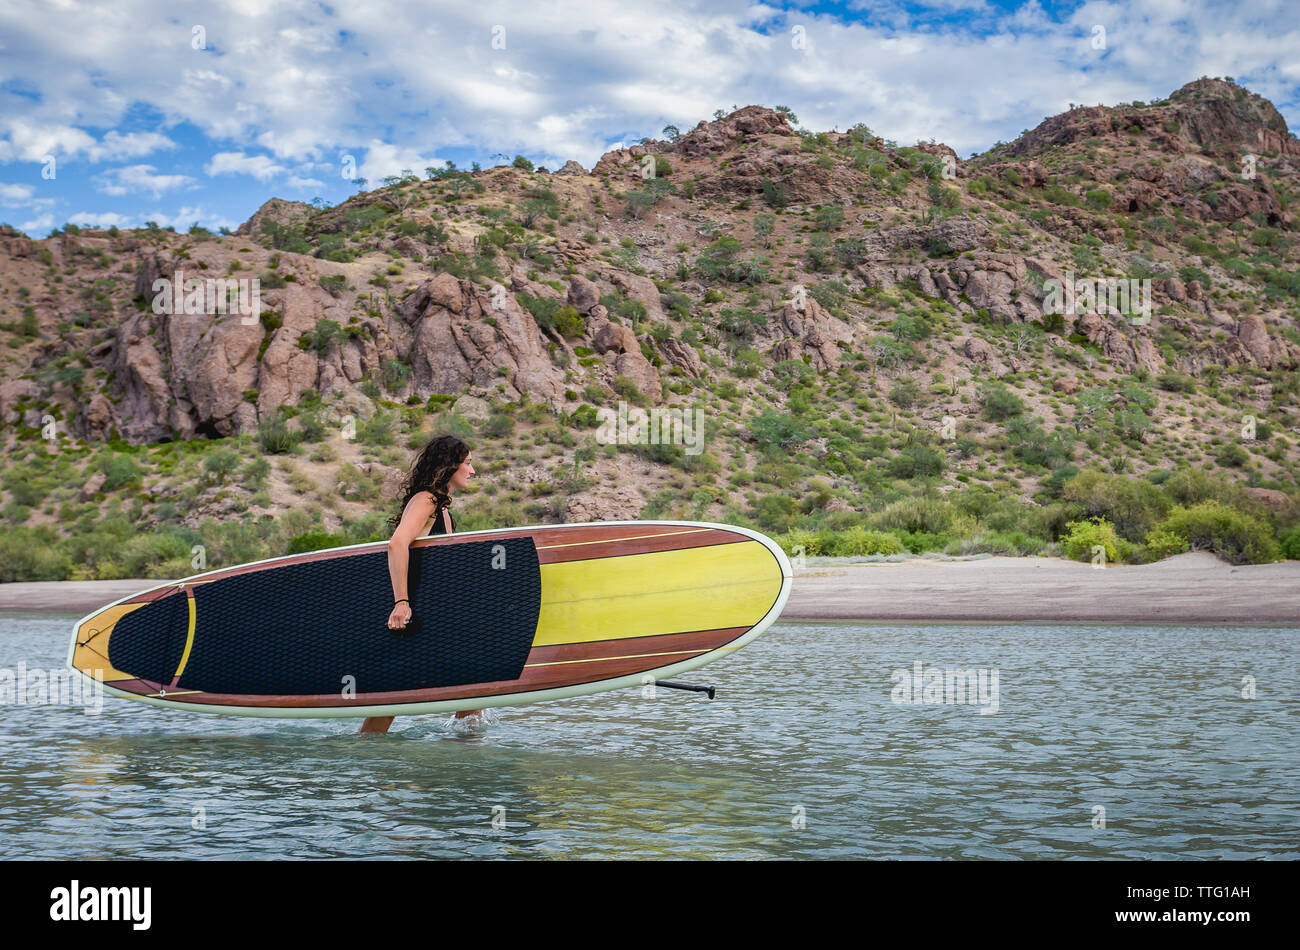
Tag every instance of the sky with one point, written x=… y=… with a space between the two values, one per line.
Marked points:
x=119 y=112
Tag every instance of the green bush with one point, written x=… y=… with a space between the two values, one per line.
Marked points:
x=921 y=542
x=29 y=554
x=1290 y=544
x=1000 y=403
x=1008 y=543
x=775 y=513
x=378 y=430
x=1161 y=544
x=315 y=541
x=274 y=436
x=334 y=284
x=1232 y=455
x=552 y=314
x=325 y=333
x=220 y=464
x=313 y=426
x=1232 y=535
x=779 y=430
x=856 y=541
x=119 y=471
x=1082 y=536
x=1098 y=198
x=501 y=425
x=154 y=555
x=916 y=460
x=1175 y=382
x=1133 y=506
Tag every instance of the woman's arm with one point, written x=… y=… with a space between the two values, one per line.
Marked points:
x=417 y=512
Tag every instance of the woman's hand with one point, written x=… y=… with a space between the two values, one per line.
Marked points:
x=400 y=616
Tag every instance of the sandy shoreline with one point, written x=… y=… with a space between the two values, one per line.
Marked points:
x=1194 y=587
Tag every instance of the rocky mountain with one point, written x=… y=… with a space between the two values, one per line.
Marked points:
x=854 y=291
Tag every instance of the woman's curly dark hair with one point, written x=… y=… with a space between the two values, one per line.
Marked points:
x=433 y=468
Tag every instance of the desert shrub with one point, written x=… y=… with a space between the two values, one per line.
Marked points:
x=1082 y=536
x=334 y=285
x=1290 y=544
x=1190 y=486
x=775 y=513
x=315 y=541
x=1133 y=506
x=30 y=554
x=1009 y=543
x=274 y=436
x=1232 y=455
x=1162 y=544
x=378 y=430
x=119 y=471
x=904 y=393
x=1175 y=382
x=1232 y=535
x=920 y=542
x=313 y=426
x=220 y=464
x=855 y=541
x=779 y=430
x=1000 y=403
x=916 y=460
x=929 y=515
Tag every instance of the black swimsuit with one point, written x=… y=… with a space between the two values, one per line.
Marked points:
x=438 y=526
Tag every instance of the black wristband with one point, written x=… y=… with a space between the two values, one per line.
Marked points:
x=403 y=600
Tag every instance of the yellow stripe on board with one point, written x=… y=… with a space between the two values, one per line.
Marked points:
x=189 y=641
x=642 y=595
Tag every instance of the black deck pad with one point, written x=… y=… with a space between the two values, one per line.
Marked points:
x=318 y=627
x=150 y=640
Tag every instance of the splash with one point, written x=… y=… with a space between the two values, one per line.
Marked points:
x=469 y=726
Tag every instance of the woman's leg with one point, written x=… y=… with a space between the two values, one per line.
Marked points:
x=376 y=724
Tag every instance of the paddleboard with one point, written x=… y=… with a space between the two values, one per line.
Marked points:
x=500 y=617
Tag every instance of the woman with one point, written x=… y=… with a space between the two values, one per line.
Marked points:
x=441 y=469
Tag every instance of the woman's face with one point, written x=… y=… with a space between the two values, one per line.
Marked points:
x=460 y=477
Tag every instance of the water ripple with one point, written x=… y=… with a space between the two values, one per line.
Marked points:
x=1107 y=742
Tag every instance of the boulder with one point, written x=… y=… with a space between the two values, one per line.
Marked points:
x=91 y=486
x=616 y=338
x=683 y=356
x=97 y=418
x=637 y=368
x=583 y=294
x=472 y=409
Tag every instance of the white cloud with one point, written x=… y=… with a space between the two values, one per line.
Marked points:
x=139 y=178
x=28 y=140
x=305 y=183
x=114 y=146
x=85 y=219
x=187 y=216
x=306 y=82
x=16 y=195
x=38 y=227
x=383 y=159
x=237 y=163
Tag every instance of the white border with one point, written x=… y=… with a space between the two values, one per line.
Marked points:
x=455 y=705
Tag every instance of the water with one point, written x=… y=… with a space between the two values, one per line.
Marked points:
x=802 y=755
